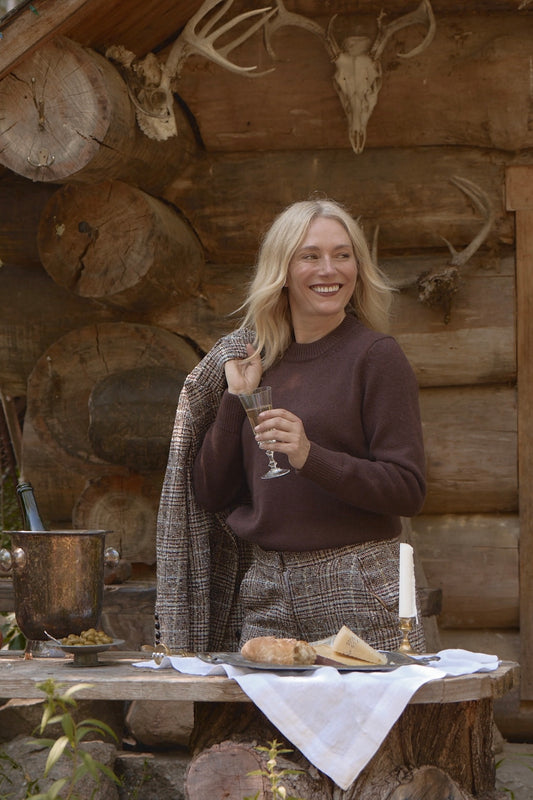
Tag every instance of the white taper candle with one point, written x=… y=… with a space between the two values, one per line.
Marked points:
x=407 y=582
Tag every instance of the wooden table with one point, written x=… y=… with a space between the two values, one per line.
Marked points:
x=442 y=740
x=116 y=679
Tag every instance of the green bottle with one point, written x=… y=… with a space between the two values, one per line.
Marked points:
x=28 y=507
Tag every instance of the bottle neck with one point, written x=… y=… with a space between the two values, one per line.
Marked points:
x=28 y=506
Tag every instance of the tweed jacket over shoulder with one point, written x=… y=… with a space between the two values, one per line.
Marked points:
x=199 y=559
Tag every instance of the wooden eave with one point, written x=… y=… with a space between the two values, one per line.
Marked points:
x=94 y=23
x=144 y=27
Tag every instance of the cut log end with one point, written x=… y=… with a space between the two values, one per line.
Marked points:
x=112 y=242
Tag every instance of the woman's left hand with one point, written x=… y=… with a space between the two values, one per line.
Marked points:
x=288 y=433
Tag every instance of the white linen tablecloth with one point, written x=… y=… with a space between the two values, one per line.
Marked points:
x=338 y=720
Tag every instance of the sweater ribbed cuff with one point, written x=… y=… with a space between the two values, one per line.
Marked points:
x=320 y=467
x=231 y=414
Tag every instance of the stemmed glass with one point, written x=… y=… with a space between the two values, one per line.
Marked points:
x=258 y=400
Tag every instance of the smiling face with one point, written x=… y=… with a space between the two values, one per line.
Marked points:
x=321 y=279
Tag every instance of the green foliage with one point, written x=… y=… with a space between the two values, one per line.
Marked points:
x=274 y=775
x=12 y=636
x=58 y=710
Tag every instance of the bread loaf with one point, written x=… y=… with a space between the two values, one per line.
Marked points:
x=270 y=650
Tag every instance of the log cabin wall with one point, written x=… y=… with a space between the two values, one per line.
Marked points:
x=123 y=258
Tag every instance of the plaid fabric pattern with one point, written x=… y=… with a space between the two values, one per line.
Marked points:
x=199 y=559
x=311 y=595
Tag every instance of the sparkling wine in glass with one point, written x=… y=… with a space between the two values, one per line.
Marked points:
x=254 y=403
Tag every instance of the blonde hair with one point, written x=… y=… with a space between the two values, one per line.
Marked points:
x=266 y=307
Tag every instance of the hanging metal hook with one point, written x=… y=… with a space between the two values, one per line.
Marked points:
x=45 y=159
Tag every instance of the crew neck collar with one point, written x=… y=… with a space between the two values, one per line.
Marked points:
x=306 y=351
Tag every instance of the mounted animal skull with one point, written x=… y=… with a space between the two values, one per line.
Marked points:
x=151 y=83
x=358 y=71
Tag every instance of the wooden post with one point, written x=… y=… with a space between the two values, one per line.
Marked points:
x=519 y=189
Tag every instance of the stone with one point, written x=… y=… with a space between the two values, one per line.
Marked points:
x=514 y=770
x=160 y=724
x=22 y=717
x=152 y=776
x=22 y=765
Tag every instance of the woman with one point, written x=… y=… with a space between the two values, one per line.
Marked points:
x=324 y=538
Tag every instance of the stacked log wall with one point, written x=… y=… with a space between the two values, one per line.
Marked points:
x=460 y=108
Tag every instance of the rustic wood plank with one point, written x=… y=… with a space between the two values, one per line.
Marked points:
x=461 y=555
x=471 y=445
x=520 y=198
x=457 y=90
x=27 y=29
x=519 y=187
x=93 y=22
x=502 y=642
x=118 y=680
x=407 y=192
x=478 y=343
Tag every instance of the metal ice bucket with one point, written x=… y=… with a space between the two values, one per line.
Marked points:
x=58 y=580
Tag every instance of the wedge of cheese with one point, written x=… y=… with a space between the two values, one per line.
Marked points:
x=327 y=655
x=348 y=643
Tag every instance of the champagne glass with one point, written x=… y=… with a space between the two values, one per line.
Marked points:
x=258 y=400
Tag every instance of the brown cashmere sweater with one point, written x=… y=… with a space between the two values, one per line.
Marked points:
x=357 y=397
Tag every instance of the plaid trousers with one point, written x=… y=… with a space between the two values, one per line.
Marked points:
x=311 y=595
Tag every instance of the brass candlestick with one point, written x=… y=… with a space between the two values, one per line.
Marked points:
x=406 y=626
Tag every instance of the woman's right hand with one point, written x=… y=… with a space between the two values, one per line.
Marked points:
x=243 y=375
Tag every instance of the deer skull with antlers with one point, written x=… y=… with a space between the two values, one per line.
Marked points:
x=150 y=82
x=358 y=71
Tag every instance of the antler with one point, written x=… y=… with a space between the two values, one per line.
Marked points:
x=284 y=18
x=423 y=15
x=150 y=83
x=201 y=40
x=481 y=201
x=438 y=288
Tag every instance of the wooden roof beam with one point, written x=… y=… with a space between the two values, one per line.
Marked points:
x=32 y=24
